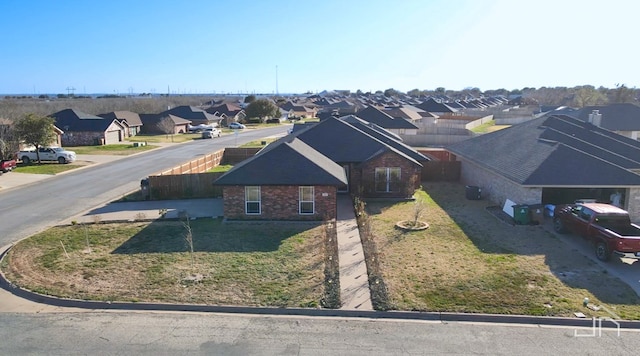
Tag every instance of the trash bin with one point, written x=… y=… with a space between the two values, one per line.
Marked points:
x=521 y=214
x=144 y=188
x=536 y=213
x=473 y=193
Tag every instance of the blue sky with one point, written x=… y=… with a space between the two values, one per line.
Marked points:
x=200 y=46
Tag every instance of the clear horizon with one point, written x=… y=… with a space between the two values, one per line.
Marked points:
x=215 y=47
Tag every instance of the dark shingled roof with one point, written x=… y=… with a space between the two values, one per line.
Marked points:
x=131 y=118
x=433 y=105
x=615 y=117
x=287 y=161
x=382 y=119
x=385 y=136
x=71 y=120
x=555 y=151
x=191 y=113
x=344 y=143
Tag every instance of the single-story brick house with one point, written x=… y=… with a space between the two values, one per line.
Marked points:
x=552 y=160
x=163 y=124
x=81 y=129
x=128 y=118
x=377 y=163
x=287 y=180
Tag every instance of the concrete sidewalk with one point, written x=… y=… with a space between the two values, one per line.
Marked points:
x=354 y=280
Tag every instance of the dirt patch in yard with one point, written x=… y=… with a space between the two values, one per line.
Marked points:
x=470 y=260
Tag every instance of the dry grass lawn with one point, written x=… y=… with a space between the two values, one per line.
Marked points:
x=469 y=261
x=234 y=264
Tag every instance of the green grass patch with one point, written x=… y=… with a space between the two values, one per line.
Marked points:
x=45 y=168
x=177 y=138
x=266 y=264
x=117 y=149
x=221 y=168
x=484 y=128
x=259 y=143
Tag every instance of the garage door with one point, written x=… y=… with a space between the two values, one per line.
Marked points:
x=112 y=137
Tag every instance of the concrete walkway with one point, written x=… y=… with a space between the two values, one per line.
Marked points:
x=354 y=281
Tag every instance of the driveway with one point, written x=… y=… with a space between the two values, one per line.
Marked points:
x=145 y=210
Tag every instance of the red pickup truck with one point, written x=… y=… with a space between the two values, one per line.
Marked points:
x=608 y=227
x=7 y=165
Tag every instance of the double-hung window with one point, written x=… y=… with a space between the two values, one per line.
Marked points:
x=252 y=200
x=387 y=179
x=306 y=204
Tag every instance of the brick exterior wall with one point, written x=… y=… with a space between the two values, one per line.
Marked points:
x=81 y=138
x=498 y=189
x=279 y=203
x=633 y=204
x=362 y=177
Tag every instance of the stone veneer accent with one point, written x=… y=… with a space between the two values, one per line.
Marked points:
x=279 y=203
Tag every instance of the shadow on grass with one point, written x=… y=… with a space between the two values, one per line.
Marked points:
x=208 y=236
x=494 y=236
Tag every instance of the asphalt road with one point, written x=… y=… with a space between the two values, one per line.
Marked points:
x=37 y=206
x=219 y=334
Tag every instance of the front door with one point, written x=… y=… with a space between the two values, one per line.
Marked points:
x=345 y=188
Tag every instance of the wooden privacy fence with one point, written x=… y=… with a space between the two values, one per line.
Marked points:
x=192 y=179
x=448 y=171
x=198 y=165
x=183 y=186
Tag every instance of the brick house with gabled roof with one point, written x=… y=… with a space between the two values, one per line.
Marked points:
x=552 y=160
x=287 y=180
x=82 y=129
x=375 y=166
x=130 y=119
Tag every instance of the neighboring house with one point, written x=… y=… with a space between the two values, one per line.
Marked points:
x=81 y=129
x=552 y=160
x=434 y=106
x=195 y=115
x=155 y=124
x=129 y=119
x=623 y=119
x=229 y=112
x=374 y=168
x=287 y=180
x=299 y=111
x=388 y=122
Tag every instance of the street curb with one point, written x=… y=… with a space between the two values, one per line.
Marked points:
x=384 y=315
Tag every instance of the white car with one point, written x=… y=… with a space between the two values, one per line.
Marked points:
x=237 y=126
x=211 y=133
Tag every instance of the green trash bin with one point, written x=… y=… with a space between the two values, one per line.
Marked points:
x=521 y=214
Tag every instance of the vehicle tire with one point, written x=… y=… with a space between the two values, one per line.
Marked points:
x=62 y=160
x=602 y=251
x=558 y=226
x=26 y=160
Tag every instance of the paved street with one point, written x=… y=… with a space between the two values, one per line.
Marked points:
x=219 y=334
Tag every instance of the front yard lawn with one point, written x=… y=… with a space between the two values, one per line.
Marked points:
x=45 y=168
x=266 y=264
x=117 y=149
x=177 y=138
x=469 y=261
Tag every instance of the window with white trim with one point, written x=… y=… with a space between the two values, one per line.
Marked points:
x=387 y=179
x=252 y=201
x=306 y=204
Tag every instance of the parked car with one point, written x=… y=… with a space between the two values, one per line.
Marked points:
x=7 y=165
x=608 y=227
x=58 y=154
x=211 y=133
x=236 y=126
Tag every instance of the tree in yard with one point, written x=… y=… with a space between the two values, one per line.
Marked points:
x=262 y=109
x=587 y=95
x=8 y=142
x=249 y=99
x=35 y=130
x=622 y=94
x=166 y=126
